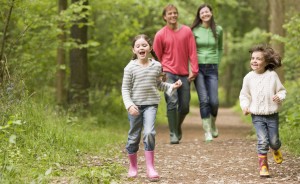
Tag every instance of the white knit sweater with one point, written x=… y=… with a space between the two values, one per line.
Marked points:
x=258 y=90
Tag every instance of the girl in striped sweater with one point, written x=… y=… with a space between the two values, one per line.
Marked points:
x=141 y=81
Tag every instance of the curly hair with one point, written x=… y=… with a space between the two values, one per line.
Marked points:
x=272 y=58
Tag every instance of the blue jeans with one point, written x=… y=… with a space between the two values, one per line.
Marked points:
x=145 y=119
x=267 y=133
x=206 y=84
x=180 y=100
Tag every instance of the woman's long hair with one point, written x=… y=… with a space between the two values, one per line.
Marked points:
x=198 y=21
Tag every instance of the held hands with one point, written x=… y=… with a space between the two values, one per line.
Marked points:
x=191 y=77
x=177 y=84
x=276 y=99
x=246 y=111
x=133 y=110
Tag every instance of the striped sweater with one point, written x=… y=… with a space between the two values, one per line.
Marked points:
x=141 y=84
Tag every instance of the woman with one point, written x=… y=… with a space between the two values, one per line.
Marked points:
x=209 y=43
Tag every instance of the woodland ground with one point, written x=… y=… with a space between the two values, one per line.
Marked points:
x=231 y=158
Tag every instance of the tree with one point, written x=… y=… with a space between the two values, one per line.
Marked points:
x=79 y=83
x=276 y=27
x=3 y=68
x=61 y=59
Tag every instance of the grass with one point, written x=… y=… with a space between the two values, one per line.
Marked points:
x=39 y=145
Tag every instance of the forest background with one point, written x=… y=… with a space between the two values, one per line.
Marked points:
x=61 y=72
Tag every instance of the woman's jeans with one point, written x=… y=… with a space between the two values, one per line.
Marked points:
x=267 y=132
x=145 y=119
x=206 y=84
x=180 y=100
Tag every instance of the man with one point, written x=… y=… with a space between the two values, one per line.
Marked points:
x=175 y=48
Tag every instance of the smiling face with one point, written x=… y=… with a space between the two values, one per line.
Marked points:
x=205 y=14
x=257 y=62
x=171 y=16
x=141 y=49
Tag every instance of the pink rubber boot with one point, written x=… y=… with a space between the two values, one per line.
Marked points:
x=151 y=173
x=132 y=173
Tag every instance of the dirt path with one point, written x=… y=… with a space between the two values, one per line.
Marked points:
x=231 y=158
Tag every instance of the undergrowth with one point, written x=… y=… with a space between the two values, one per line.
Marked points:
x=41 y=144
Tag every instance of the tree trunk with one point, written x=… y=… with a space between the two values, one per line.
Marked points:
x=277 y=14
x=61 y=59
x=3 y=61
x=79 y=83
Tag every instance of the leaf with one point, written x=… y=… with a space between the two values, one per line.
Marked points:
x=48 y=171
x=17 y=122
x=12 y=139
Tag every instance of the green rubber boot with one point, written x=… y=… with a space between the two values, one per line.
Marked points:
x=173 y=127
x=214 y=129
x=206 y=124
x=181 y=118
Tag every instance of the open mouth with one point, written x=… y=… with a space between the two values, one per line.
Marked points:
x=142 y=53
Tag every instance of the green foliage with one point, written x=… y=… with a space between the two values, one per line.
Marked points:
x=51 y=143
x=291 y=106
x=292 y=58
x=41 y=143
x=290 y=116
x=116 y=24
x=235 y=64
x=290 y=139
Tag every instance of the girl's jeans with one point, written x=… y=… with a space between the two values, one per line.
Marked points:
x=267 y=132
x=206 y=84
x=145 y=119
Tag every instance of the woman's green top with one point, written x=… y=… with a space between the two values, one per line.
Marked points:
x=209 y=49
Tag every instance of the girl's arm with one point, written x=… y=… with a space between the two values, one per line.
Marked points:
x=245 y=97
x=280 y=91
x=126 y=89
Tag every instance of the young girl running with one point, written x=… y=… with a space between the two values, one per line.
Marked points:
x=261 y=96
x=142 y=78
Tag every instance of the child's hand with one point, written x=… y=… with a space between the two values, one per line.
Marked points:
x=133 y=110
x=246 y=111
x=276 y=99
x=177 y=84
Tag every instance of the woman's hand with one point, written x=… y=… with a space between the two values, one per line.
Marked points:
x=191 y=77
